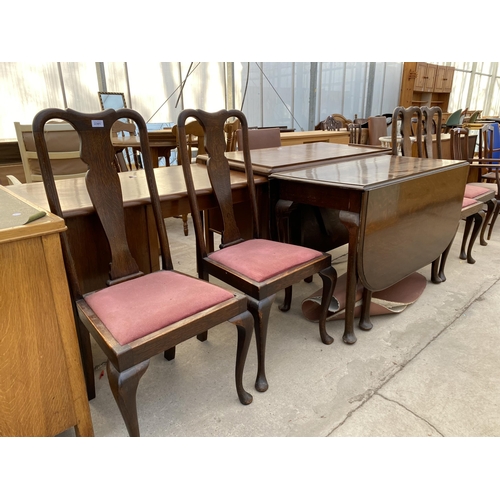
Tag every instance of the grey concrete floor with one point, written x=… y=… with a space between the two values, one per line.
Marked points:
x=432 y=370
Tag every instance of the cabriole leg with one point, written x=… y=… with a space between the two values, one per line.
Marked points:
x=244 y=324
x=260 y=311
x=124 y=388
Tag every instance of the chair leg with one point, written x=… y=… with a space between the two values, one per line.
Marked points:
x=244 y=324
x=478 y=221
x=494 y=218
x=364 y=320
x=260 y=311
x=185 y=226
x=169 y=354
x=86 y=356
x=287 y=301
x=329 y=278
x=124 y=388
x=468 y=224
x=489 y=214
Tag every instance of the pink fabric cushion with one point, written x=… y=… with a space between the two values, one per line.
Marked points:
x=484 y=185
x=468 y=201
x=132 y=309
x=261 y=259
x=472 y=191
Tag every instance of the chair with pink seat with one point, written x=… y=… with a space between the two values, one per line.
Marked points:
x=137 y=316
x=475 y=197
x=258 y=267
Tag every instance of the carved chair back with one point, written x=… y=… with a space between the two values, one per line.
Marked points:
x=330 y=123
x=407 y=130
x=103 y=183
x=219 y=173
x=432 y=120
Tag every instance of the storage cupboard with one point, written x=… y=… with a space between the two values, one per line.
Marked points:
x=42 y=388
x=425 y=84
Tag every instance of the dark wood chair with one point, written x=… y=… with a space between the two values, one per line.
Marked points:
x=432 y=119
x=342 y=119
x=411 y=130
x=329 y=123
x=474 y=197
x=258 y=267
x=487 y=167
x=138 y=315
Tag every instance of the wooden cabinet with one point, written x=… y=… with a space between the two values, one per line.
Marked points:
x=430 y=78
x=426 y=84
x=444 y=79
x=419 y=77
x=42 y=389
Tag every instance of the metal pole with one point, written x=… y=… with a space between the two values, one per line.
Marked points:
x=230 y=86
x=101 y=77
x=369 y=91
x=313 y=90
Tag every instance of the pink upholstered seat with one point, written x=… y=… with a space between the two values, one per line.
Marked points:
x=466 y=202
x=121 y=306
x=261 y=259
x=473 y=190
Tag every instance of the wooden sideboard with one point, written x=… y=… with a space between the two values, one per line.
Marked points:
x=42 y=388
x=310 y=136
x=426 y=84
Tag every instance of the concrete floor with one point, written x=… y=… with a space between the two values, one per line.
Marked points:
x=433 y=370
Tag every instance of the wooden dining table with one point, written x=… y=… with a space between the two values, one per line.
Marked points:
x=85 y=233
x=270 y=160
x=279 y=159
x=400 y=213
x=311 y=136
x=161 y=144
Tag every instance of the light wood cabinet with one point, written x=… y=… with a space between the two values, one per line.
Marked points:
x=430 y=78
x=42 y=388
x=419 y=77
x=425 y=84
x=444 y=79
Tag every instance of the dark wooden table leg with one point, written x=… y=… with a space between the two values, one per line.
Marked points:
x=351 y=221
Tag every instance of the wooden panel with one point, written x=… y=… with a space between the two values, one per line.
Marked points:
x=9 y=151
x=91 y=252
x=420 y=77
x=308 y=137
x=408 y=225
x=444 y=79
x=31 y=365
x=42 y=389
x=430 y=78
x=448 y=79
